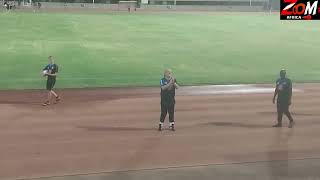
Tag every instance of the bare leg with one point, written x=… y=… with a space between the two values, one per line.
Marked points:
x=49 y=96
x=280 y=114
x=56 y=96
x=47 y=102
x=288 y=114
x=54 y=93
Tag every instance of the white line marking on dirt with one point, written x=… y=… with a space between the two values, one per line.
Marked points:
x=228 y=89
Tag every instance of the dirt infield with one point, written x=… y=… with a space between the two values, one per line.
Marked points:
x=105 y=130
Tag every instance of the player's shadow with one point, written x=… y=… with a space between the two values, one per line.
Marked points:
x=292 y=113
x=17 y=102
x=278 y=154
x=113 y=128
x=236 y=124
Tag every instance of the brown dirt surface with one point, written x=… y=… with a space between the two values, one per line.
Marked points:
x=115 y=129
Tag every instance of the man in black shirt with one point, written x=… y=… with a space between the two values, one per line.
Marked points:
x=168 y=86
x=51 y=71
x=284 y=92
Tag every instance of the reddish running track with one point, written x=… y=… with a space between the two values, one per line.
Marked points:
x=114 y=129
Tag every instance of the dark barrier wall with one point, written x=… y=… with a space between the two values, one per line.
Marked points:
x=275 y=4
x=214 y=3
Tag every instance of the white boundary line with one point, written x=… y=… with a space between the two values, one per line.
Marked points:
x=228 y=89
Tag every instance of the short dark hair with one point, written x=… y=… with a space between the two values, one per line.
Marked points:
x=283 y=73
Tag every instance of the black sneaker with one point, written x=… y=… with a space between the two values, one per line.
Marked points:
x=57 y=100
x=47 y=103
x=291 y=124
x=172 y=127
x=277 y=125
x=160 y=127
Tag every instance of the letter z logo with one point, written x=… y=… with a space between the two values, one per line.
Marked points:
x=286 y=11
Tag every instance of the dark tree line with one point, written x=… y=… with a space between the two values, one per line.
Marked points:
x=79 y=1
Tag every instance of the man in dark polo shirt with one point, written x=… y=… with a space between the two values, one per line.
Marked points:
x=51 y=71
x=168 y=86
x=284 y=92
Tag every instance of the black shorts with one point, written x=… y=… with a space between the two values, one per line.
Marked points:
x=50 y=84
x=283 y=106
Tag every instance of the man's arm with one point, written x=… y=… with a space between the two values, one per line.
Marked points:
x=55 y=74
x=176 y=85
x=165 y=87
x=290 y=91
x=275 y=94
x=45 y=68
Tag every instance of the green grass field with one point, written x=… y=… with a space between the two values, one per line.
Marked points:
x=97 y=50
